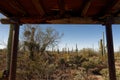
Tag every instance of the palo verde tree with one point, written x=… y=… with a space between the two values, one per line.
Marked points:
x=38 y=40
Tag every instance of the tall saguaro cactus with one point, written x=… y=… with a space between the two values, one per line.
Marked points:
x=104 y=51
x=76 y=49
x=101 y=47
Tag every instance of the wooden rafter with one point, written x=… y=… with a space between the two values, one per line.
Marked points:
x=115 y=8
x=39 y=7
x=61 y=5
x=6 y=13
x=8 y=21
x=22 y=7
x=14 y=4
x=86 y=7
x=107 y=9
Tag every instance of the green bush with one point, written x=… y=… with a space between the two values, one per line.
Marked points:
x=88 y=52
x=105 y=74
x=38 y=69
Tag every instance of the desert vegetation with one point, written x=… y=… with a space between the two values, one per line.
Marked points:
x=38 y=61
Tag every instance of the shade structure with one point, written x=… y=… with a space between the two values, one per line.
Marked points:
x=61 y=11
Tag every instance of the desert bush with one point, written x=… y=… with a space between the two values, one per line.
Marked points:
x=40 y=68
x=105 y=74
x=94 y=65
x=81 y=75
x=88 y=52
x=77 y=60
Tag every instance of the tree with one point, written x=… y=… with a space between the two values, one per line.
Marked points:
x=38 y=40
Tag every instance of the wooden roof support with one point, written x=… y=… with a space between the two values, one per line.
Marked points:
x=110 y=49
x=13 y=63
x=3 y=11
x=23 y=21
x=86 y=7
x=61 y=5
x=39 y=7
x=14 y=4
x=72 y=20
x=107 y=10
x=8 y=21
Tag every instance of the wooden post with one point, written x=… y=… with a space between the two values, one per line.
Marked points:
x=110 y=49
x=13 y=63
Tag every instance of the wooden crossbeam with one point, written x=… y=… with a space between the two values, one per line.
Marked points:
x=14 y=4
x=56 y=20
x=116 y=8
x=23 y=21
x=39 y=7
x=108 y=8
x=86 y=7
x=61 y=5
x=8 y=21
x=6 y=13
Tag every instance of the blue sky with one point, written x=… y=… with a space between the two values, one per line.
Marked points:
x=85 y=36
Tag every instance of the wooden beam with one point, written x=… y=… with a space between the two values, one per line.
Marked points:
x=110 y=49
x=8 y=21
x=53 y=19
x=86 y=7
x=32 y=20
x=39 y=7
x=15 y=5
x=23 y=21
x=108 y=8
x=5 y=12
x=13 y=63
x=61 y=5
x=116 y=9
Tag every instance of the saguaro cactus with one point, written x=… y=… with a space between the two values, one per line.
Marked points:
x=101 y=47
x=76 y=49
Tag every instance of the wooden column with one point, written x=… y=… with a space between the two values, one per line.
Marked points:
x=13 y=63
x=110 y=49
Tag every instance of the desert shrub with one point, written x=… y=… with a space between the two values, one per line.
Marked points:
x=77 y=60
x=118 y=74
x=94 y=65
x=105 y=74
x=88 y=52
x=40 y=68
x=82 y=75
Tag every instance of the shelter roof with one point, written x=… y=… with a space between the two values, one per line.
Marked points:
x=59 y=11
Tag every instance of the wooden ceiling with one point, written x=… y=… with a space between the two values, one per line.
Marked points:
x=58 y=11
